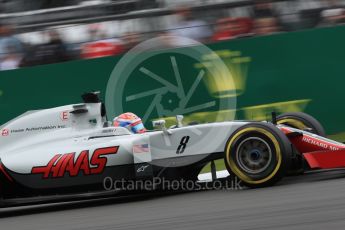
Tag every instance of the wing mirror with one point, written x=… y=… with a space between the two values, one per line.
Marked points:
x=179 y=119
x=160 y=124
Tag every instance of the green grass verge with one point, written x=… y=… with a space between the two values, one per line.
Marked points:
x=219 y=166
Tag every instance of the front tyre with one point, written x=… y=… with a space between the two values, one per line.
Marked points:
x=258 y=154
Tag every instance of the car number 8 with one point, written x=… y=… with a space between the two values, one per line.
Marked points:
x=183 y=145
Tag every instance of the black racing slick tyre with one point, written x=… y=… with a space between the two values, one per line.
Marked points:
x=301 y=121
x=258 y=154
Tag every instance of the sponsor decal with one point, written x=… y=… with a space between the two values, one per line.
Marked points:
x=142 y=168
x=321 y=144
x=109 y=130
x=48 y=127
x=66 y=164
x=40 y=128
x=17 y=130
x=64 y=115
x=5 y=132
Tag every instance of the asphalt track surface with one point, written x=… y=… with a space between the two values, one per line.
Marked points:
x=315 y=201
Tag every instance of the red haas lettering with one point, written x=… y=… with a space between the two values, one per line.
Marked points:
x=99 y=161
x=61 y=164
x=45 y=170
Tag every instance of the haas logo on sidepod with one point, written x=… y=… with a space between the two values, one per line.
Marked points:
x=61 y=164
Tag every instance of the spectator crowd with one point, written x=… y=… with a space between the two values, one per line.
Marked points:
x=263 y=19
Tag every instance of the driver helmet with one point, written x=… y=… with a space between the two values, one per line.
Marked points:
x=130 y=121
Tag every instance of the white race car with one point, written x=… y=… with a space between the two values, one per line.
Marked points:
x=68 y=151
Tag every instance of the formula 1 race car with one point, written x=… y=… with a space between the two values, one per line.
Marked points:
x=68 y=151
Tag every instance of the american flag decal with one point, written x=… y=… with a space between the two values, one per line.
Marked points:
x=142 y=148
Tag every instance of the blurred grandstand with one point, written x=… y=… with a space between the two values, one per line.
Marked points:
x=50 y=31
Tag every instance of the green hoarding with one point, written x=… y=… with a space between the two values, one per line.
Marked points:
x=298 y=71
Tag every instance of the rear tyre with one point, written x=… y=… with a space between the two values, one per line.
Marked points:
x=301 y=121
x=258 y=154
